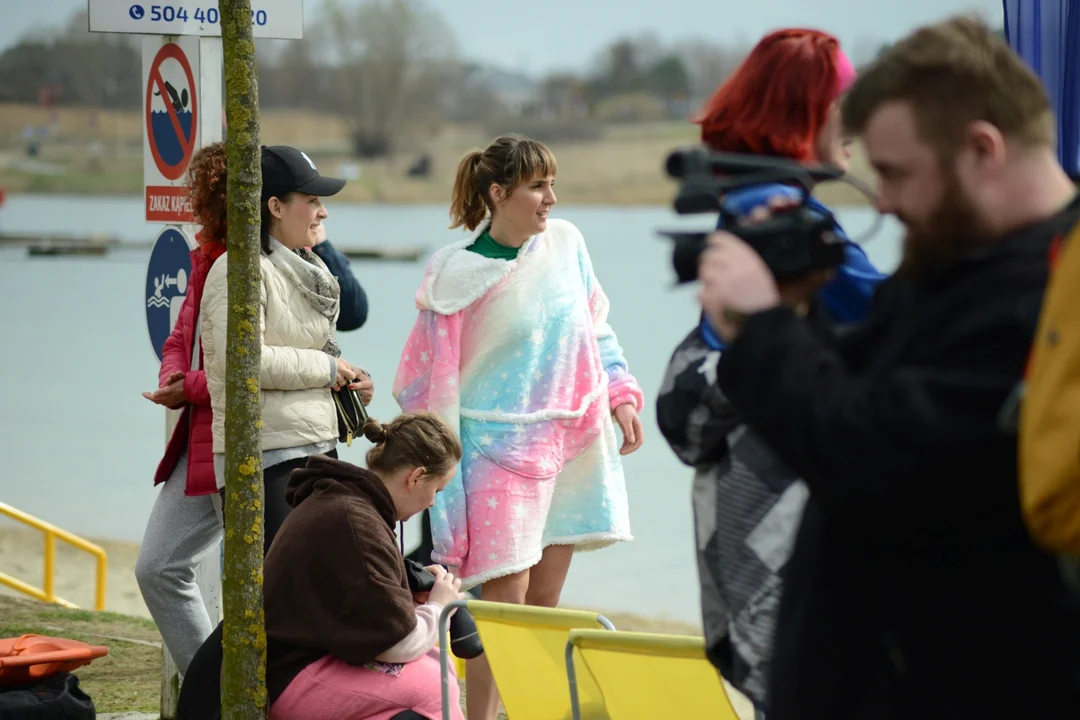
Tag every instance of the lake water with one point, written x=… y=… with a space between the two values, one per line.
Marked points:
x=80 y=444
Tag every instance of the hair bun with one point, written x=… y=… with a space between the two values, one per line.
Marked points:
x=376 y=432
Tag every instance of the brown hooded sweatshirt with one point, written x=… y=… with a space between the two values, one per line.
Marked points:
x=334 y=577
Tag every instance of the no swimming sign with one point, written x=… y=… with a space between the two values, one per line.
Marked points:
x=171 y=110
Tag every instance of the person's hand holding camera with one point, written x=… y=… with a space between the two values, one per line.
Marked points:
x=797 y=294
x=446 y=589
x=736 y=283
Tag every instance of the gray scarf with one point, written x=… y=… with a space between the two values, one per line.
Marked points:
x=308 y=274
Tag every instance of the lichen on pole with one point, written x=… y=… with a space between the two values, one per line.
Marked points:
x=243 y=686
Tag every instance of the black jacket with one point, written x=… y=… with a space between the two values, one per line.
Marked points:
x=914 y=589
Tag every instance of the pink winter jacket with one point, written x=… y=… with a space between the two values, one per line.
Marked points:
x=194 y=430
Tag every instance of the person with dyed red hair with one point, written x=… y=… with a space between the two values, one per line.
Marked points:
x=783 y=102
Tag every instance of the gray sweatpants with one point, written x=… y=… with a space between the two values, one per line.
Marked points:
x=181 y=532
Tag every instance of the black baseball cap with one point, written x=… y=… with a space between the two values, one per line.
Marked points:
x=286 y=169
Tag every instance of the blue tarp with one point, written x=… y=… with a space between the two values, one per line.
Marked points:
x=1046 y=34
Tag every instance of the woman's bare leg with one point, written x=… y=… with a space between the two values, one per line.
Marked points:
x=541 y=585
x=481 y=695
x=547 y=578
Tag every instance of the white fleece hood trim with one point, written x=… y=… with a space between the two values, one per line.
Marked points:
x=457 y=278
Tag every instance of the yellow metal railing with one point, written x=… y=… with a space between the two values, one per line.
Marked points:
x=52 y=532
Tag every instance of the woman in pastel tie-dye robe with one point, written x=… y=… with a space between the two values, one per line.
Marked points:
x=518 y=355
x=512 y=347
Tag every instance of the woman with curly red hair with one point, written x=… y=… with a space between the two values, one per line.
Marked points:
x=783 y=101
x=184 y=527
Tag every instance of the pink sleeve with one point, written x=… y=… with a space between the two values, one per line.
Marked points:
x=622 y=386
x=427 y=374
x=427 y=379
x=175 y=357
x=423 y=637
x=195 y=390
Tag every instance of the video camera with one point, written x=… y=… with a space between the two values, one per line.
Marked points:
x=464 y=637
x=793 y=242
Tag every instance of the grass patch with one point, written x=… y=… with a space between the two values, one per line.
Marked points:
x=73 y=183
x=72 y=168
x=127 y=679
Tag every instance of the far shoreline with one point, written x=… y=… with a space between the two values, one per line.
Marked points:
x=100 y=152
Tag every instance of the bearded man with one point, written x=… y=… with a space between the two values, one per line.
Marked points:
x=914 y=590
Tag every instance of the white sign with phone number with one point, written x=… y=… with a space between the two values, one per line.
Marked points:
x=282 y=19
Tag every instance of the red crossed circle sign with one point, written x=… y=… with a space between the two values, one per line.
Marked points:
x=155 y=81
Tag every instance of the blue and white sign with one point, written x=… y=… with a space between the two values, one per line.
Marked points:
x=167 y=276
x=283 y=19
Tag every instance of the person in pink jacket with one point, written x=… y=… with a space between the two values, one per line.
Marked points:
x=184 y=526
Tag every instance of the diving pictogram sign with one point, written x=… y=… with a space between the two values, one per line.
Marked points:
x=171 y=111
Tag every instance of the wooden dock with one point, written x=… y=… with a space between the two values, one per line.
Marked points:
x=60 y=245
x=51 y=249
x=386 y=253
x=100 y=246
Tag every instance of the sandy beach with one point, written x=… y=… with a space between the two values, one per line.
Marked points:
x=22 y=557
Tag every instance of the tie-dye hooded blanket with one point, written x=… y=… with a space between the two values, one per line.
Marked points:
x=518 y=357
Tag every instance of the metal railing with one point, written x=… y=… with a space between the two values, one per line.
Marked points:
x=51 y=532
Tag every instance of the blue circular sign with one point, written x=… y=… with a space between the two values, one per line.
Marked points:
x=167 y=276
x=136 y=12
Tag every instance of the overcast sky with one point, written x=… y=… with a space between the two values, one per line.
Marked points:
x=538 y=37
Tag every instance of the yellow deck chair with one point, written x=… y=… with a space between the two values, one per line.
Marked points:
x=526 y=647
x=646 y=675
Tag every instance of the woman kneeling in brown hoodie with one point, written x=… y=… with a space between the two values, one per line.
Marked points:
x=346 y=638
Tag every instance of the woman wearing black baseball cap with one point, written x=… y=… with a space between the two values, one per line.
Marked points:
x=300 y=302
x=289 y=176
x=287 y=171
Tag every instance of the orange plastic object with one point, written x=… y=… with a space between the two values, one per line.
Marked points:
x=35 y=657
